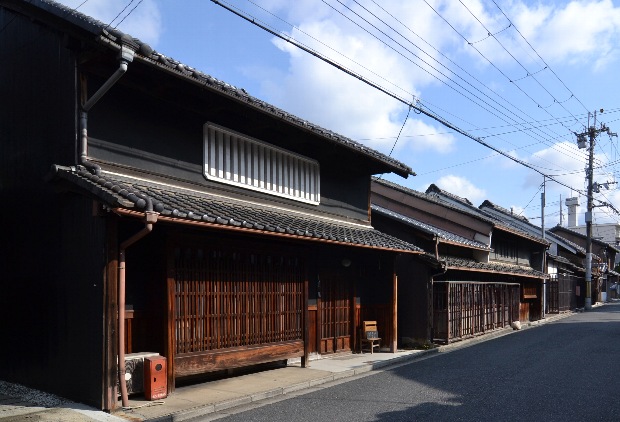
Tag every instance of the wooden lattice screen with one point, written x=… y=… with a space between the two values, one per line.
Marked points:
x=462 y=309
x=227 y=299
x=336 y=314
x=561 y=293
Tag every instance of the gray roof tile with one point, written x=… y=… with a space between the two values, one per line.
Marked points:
x=118 y=191
x=427 y=228
x=494 y=267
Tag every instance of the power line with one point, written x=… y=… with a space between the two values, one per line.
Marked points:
x=556 y=147
x=332 y=49
x=543 y=60
x=119 y=13
x=488 y=60
x=381 y=89
x=515 y=122
x=517 y=60
x=130 y=12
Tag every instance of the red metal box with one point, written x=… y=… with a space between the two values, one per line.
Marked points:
x=155 y=378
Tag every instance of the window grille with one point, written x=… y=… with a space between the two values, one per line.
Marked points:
x=242 y=161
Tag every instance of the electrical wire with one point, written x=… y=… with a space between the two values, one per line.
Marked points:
x=419 y=108
x=487 y=59
x=130 y=12
x=514 y=124
x=543 y=60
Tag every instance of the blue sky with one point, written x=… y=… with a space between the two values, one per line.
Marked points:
x=520 y=75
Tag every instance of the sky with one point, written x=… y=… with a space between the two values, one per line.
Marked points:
x=485 y=98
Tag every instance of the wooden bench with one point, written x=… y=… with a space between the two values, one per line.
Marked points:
x=369 y=336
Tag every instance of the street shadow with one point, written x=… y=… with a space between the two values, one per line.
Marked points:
x=560 y=371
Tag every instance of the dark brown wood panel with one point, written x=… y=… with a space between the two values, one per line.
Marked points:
x=201 y=362
x=464 y=309
x=336 y=315
x=231 y=308
x=312 y=323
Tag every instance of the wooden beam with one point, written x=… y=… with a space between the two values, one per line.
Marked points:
x=202 y=362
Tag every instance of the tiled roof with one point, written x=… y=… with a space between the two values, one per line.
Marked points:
x=565 y=262
x=465 y=205
x=434 y=189
x=560 y=229
x=523 y=221
x=145 y=53
x=427 y=228
x=436 y=199
x=184 y=205
x=492 y=267
x=503 y=210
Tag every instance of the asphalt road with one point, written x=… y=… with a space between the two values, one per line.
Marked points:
x=562 y=371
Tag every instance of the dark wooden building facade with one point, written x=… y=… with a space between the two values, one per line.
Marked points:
x=603 y=259
x=563 y=264
x=487 y=274
x=152 y=208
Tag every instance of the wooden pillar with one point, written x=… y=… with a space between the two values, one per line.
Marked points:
x=394 y=340
x=319 y=318
x=170 y=320
x=305 y=362
x=110 y=300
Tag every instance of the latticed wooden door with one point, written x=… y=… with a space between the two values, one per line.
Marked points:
x=225 y=299
x=336 y=314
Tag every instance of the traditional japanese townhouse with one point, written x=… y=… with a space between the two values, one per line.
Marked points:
x=470 y=293
x=603 y=259
x=149 y=207
x=564 y=262
x=514 y=247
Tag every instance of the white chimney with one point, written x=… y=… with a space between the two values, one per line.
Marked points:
x=572 y=204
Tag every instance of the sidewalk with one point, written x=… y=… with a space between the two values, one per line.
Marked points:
x=19 y=404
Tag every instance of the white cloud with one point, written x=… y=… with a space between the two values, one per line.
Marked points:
x=577 y=31
x=564 y=160
x=329 y=97
x=144 y=22
x=462 y=187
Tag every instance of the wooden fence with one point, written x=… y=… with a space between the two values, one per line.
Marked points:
x=561 y=293
x=465 y=308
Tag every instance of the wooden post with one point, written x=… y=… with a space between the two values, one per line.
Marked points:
x=110 y=300
x=305 y=362
x=171 y=335
x=394 y=342
x=319 y=318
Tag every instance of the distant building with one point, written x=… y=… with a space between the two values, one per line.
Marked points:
x=605 y=232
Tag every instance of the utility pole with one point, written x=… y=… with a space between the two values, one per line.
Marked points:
x=590 y=135
x=544 y=254
x=589 y=175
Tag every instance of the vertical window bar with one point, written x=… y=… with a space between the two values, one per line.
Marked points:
x=254 y=150
x=243 y=171
x=261 y=166
x=212 y=152
x=226 y=157
x=219 y=155
x=234 y=153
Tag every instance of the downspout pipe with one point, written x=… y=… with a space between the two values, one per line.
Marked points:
x=150 y=218
x=126 y=55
